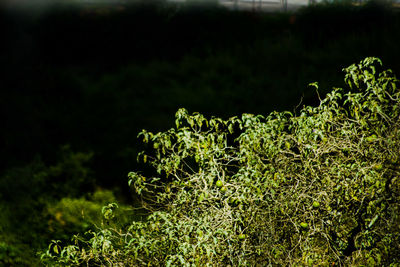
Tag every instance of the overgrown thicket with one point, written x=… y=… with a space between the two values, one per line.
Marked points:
x=320 y=187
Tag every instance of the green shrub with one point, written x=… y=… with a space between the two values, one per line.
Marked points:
x=321 y=187
x=77 y=215
x=25 y=196
x=69 y=216
x=11 y=255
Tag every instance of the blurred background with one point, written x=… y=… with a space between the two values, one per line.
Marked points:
x=81 y=78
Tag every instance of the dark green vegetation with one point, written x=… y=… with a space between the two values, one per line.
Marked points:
x=93 y=78
x=318 y=188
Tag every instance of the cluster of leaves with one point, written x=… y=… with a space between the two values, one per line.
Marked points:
x=318 y=188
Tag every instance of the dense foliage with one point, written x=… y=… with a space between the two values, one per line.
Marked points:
x=315 y=188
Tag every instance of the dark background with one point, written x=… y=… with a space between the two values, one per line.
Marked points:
x=92 y=77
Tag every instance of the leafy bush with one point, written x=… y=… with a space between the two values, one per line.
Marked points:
x=77 y=215
x=318 y=188
x=25 y=196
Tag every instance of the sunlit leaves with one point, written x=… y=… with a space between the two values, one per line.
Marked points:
x=317 y=187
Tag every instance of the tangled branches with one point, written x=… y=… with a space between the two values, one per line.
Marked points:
x=318 y=188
